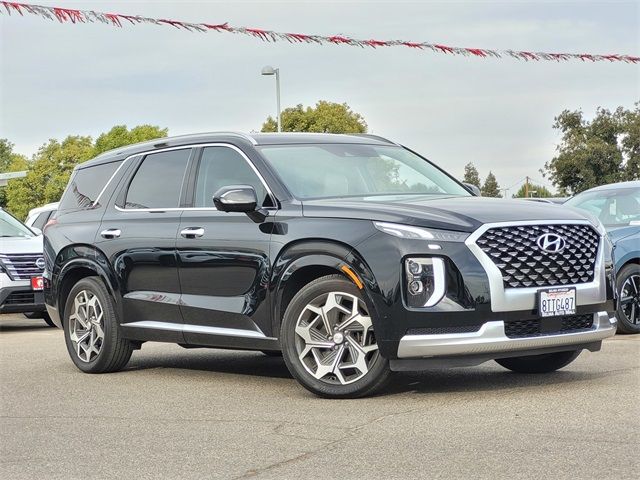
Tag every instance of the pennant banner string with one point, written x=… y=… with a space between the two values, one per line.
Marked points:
x=68 y=15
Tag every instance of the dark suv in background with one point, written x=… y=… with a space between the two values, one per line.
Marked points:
x=352 y=255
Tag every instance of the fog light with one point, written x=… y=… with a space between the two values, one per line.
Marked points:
x=425 y=281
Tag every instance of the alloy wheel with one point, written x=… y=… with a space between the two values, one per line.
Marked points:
x=86 y=327
x=334 y=338
x=630 y=299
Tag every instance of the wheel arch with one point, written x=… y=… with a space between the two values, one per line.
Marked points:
x=302 y=262
x=77 y=262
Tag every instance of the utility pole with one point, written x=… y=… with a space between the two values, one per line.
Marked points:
x=526 y=187
x=504 y=192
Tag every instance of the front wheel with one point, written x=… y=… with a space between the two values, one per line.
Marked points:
x=628 y=286
x=91 y=331
x=548 y=362
x=328 y=342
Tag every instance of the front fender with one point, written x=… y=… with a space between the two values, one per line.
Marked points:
x=321 y=254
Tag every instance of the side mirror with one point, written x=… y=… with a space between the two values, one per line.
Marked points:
x=236 y=198
x=473 y=189
x=36 y=230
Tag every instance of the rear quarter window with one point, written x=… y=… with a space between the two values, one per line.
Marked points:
x=85 y=185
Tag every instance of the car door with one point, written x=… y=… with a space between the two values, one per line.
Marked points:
x=223 y=257
x=138 y=236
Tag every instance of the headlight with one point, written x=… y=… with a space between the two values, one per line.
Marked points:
x=408 y=231
x=425 y=281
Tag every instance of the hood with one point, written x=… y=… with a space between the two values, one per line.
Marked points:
x=618 y=233
x=10 y=245
x=446 y=212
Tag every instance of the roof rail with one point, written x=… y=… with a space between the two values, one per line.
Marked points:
x=374 y=137
x=246 y=136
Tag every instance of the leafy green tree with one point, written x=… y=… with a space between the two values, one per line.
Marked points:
x=48 y=174
x=491 y=187
x=325 y=117
x=120 y=136
x=630 y=143
x=591 y=153
x=540 y=191
x=9 y=162
x=49 y=170
x=471 y=175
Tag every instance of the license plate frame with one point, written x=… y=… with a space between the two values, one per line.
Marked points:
x=37 y=283
x=556 y=302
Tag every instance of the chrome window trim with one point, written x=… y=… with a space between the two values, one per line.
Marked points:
x=511 y=299
x=187 y=328
x=197 y=145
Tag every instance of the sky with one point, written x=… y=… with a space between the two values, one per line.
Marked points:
x=61 y=79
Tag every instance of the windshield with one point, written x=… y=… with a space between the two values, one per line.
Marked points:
x=342 y=170
x=614 y=208
x=11 y=227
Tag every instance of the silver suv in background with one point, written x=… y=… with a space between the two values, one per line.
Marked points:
x=38 y=217
x=21 y=267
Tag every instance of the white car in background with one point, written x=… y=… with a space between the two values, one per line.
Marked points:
x=38 y=217
x=21 y=267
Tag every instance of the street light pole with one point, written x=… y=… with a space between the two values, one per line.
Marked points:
x=278 y=98
x=269 y=70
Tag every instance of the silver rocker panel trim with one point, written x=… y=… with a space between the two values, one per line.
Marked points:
x=186 y=328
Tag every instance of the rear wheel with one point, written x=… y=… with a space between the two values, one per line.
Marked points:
x=328 y=341
x=91 y=331
x=628 y=287
x=548 y=362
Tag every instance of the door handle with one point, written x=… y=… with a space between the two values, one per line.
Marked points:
x=110 y=233
x=192 y=232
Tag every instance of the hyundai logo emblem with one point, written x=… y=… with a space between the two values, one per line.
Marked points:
x=40 y=263
x=551 y=243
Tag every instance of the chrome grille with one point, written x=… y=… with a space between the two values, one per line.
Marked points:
x=21 y=266
x=523 y=263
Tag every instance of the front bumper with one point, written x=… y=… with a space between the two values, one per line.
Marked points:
x=20 y=299
x=491 y=339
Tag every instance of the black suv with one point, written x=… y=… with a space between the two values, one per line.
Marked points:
x=350 y=254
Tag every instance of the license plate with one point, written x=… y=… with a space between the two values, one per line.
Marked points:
x=556 y=302
x=36 y=283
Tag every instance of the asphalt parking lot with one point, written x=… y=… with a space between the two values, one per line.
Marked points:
x=202 y=413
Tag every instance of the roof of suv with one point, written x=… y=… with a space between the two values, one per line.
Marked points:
x=289 y=138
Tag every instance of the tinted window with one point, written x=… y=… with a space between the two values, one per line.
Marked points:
x=85 y=186
x=158 y=181
x=42 y=219
x=221 y=167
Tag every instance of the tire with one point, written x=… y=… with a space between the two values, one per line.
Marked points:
x=628 y=288
x=356 y=369
x=546 y=363
x=91 y=351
